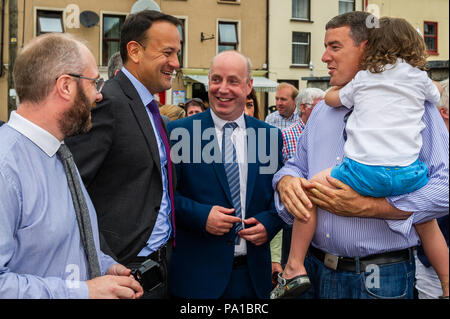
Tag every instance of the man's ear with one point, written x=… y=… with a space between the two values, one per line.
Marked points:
x=134 y=51
x=65 y=87
x=249 y=86
x=362 y=45
x=444 y=112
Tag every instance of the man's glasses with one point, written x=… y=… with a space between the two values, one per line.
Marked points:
x=99 y=83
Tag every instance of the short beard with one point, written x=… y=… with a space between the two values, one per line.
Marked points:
x=77 y=119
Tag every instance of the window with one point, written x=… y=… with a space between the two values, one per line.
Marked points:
x=430 y=33
x=181 y=29
x=112 y=24
x=301 y=48
x=293 y=82
x=228 y=37
x=346 y=6
x=49 y=21
x=300 y=9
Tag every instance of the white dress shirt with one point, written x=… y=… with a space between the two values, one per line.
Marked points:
x=239 y=141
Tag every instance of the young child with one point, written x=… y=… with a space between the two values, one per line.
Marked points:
x=383 y=141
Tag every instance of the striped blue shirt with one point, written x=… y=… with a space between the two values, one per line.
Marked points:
x=321 y=145
x=41 y=254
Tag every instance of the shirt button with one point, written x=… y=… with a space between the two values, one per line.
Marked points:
x=328 y=235
x=338 y=158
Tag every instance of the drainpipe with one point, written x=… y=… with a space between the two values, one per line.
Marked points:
x=2 y=37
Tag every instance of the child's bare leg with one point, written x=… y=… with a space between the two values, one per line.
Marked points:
x=436 y=250
x=302 y=234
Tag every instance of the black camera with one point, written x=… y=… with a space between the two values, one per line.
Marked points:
x=148 y=274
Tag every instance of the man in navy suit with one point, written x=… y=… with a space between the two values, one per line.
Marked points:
x=226 y=216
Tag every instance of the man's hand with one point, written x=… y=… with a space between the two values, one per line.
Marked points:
x=118 y=270
x=220 y=221
x=294 y=198
x=342 y=200
x=114 y=287
x=257 y=234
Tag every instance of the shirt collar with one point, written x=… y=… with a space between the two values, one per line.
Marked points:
x=219 y=123
x=291 y=117
x=300 y=122
x=144 y=93
x=42 y=138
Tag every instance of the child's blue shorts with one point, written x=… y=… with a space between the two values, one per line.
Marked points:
x=381 y=181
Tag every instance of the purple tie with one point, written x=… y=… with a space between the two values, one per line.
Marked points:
x=153 y=107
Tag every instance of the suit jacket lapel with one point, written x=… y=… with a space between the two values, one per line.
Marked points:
x=138 y=109
x=219 y=169
x=252 y=168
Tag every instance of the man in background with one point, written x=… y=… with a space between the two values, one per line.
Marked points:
x=286 y=113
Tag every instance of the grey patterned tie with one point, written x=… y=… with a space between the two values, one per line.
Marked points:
x=81 y=209
x=231 y=165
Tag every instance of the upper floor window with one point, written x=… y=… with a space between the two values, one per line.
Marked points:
x=228 y=36
x=346 y=6
x=301 y=48
x=112 y=24
x=49 y=21
x=301 y=9
x=430 y=33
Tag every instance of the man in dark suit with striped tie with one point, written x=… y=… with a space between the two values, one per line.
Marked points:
x=224 y=199
x=125 y=160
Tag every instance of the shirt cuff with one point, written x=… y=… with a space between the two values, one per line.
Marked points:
x=78 y=290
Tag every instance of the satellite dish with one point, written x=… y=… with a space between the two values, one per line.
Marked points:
x=141 y=5
x=89 y=18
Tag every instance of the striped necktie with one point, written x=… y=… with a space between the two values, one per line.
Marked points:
x=229 y=160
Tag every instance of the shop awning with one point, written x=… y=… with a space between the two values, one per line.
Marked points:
x=260 y=83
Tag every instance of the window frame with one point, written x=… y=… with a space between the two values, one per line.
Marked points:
x=354 y=5
x=308 y=18
x=435 y=36
x=183 y=41
x=236 y=29
x=49 y=12
x=301 y=43
x=120 y=15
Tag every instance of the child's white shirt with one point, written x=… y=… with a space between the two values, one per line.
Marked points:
x=384 y=128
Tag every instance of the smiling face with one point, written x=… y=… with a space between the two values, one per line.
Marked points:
x=157 y=59
x=284 y=101
x=229 y=85
x=341 y=55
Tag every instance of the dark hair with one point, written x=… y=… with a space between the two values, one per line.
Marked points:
x=252 y=96
x=136 y=26
x=395 y=38
x=114 y=64
x=194 y=101
x=356 y=20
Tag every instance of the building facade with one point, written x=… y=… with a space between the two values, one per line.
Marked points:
x=283 y=38
x=297 y=29
x=209 y=26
